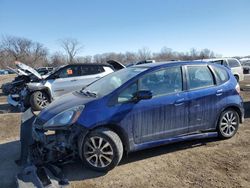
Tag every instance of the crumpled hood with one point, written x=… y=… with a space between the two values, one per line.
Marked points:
x=27 y=68
x=63 y=103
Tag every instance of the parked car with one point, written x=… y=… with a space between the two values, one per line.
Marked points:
x=245 y=62
x=44 y=70
x=3 y=72
x=25 y=74
x=38 y=95
x=136 y=108
x=232 y=63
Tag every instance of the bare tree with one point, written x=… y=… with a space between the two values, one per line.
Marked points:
x=71 y=47
x=22 y=49
x=144 y=54
x=85 y=59
x=58 y=59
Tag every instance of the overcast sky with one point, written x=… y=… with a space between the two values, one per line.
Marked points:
x=127 y=25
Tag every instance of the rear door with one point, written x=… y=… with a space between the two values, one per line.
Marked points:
x=202 y=96
x=90 y=73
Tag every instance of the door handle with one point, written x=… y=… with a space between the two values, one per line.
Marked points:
x=98 y=77
x=219 y=92
x=179 y=102
x=73 y=80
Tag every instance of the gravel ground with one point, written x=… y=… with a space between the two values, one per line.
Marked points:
x=200 y=163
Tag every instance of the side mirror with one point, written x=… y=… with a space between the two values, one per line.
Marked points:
x=143 y=95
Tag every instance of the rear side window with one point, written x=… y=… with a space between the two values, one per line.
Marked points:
x=221 y=74
x=220 y=62
x=91 y=69
x=199 y=77
x=233 y=63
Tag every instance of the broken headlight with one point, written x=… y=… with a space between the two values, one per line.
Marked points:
x=67 y=117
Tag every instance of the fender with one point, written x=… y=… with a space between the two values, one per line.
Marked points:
x=32 y=87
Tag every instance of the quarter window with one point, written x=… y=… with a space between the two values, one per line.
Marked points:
x=222 y=75
x=220 y=62
x=162 y=82
x=199 y=77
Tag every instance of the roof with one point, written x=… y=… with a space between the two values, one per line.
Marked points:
x=170 y=63
x=216 y=59
x=102 y=64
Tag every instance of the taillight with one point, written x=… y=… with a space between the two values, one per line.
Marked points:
x=237 y=87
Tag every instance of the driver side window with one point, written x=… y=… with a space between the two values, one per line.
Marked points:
x=70 y=71
x=162 y=82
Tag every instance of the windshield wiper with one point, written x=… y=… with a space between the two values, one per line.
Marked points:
x=89 y=93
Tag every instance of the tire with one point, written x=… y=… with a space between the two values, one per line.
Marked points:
x=228 y=123
x=101 y=150
x=39 y=100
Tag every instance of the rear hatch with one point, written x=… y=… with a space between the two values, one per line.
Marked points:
x=116 y=65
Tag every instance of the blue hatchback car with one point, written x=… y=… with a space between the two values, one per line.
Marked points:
x=136 y=108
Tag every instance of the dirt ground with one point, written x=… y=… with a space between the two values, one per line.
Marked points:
x=200 y=163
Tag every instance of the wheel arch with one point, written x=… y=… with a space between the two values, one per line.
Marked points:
x=119 y=131
x=44 y=89
x=234 y=107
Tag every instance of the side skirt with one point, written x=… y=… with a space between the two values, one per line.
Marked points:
x=174 y=140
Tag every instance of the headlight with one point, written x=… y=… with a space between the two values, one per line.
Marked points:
x=67 y=117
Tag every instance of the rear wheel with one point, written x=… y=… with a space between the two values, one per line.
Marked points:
x=101 y=150
x=228 y=123
x=39 y=100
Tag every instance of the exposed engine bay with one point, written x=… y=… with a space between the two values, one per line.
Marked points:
x=46 y=150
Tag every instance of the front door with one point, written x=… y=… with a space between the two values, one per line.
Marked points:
x=67 y=80
x=163 y=116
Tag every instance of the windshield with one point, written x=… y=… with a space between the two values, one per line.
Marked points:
x=112 y=81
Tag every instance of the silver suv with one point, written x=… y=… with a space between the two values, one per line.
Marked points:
x=63 y=80
x=232 y=63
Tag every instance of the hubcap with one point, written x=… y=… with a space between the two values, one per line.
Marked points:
x=98 y=152
x=42 y=100
x=228 y=123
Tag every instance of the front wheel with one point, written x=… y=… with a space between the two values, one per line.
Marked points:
x=228 y=123
x=101 y=150
x=39 y=100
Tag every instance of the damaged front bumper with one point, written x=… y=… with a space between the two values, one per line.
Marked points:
x=13 y=100
x=18 y=100
x=44 y=148
x=56 y=145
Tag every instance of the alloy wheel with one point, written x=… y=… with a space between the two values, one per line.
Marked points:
x=229 y=123
x=42 y=99
x=98 y=152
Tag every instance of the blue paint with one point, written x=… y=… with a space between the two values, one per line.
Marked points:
x=160 y=120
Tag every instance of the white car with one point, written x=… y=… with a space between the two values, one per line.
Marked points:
x=232 y=63
x=63 y=80
x=245 y=62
